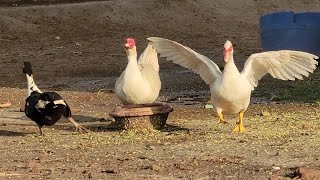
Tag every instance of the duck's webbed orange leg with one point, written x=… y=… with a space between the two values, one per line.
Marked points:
x=240 y=128
x=221 y=120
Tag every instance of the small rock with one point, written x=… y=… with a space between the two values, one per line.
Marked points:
x=109 y=171
x=78 y=44
x=183 y=166
x=275 y=168
x=148 y=147
x=156 y=167
x=58 y=37
x=208 y=106
x=265 y=113
x=308 y=173
x=5 y=105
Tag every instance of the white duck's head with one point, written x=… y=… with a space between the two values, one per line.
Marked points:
x=130 y=43
x=130 y=47
x=227 y=51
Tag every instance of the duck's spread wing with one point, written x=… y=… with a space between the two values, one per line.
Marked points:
x=186 y=57
x=283 y=64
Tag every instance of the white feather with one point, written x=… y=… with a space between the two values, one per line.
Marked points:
x=32 y=85
x=187 y=58
x=284 y=65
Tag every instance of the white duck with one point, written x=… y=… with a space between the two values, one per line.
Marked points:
x=139 y=83
x=231 y=90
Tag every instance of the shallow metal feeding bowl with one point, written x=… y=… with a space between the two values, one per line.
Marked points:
x=141 y=116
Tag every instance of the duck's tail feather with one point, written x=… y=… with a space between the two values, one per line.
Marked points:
x=27 y=69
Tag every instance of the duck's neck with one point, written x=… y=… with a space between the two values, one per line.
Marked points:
x=132 y=70
x=230 y=69
x=31 y=85
x=132 y=60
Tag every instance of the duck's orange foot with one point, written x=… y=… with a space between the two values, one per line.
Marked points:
x=239 y=129
x=221 y=120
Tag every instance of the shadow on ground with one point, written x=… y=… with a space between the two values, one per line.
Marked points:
x=12 y=133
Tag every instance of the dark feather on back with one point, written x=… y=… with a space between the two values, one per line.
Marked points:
x=48 y=115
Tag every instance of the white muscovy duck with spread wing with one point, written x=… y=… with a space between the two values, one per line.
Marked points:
x=231 y=89
x=140 y=82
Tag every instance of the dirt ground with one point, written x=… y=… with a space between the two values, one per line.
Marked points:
x=76 y=49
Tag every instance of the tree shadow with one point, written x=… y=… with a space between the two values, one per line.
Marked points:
x=113 y=127
x=83 y=119
x=173 y=128
x=104 y=127
x=96 y=124
x=12 y=133
x=89 y=122
x=93 y=124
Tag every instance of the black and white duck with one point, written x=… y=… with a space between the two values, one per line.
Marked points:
x=45 y=108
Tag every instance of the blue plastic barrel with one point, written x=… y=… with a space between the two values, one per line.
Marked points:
x=289 y=30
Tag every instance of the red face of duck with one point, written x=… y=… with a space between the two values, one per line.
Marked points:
x=227 y=51
x=130 y=43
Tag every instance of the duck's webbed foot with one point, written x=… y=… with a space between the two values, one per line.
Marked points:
x=79 y=128
x=221 y=120
x=240 y=128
